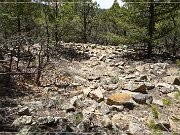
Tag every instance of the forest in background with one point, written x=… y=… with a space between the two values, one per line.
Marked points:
x=152 y=27
x=149 y=23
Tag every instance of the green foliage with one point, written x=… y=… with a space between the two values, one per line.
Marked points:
x=72 y=21
x=78 y=117
x=166 y=101
x=177 y=95
x=155 y=111
x=178 y=62
x=154 y=127
x=114 y=79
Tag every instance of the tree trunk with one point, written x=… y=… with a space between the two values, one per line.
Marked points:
x=5 y=33
x=150 y=28
x=18 y=42
x=84 y=22
x=56 y=25
x=40 y=59
x=174 y=39
x=48 y=35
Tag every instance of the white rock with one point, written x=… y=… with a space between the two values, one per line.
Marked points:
x=23 y=120
x=96 y=94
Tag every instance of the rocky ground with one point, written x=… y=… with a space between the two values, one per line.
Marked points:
x=102 y=93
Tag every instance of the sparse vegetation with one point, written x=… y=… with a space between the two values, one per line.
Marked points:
x=177 y=95
x=178 y=62
x=166 y=101
x=114 y=79
x=78 y=117
x=154 y=127
x=155 y=111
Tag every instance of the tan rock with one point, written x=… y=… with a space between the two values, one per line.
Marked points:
x=119 y=99
x=172 y=80
x=86 y=91
x=172 y=71
x=140 y=68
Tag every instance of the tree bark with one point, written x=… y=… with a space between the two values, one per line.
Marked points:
x=48 y=35
x=56 y=25
x=174 y=38
x=19 y=33
x=150 y=28
x=84 y=22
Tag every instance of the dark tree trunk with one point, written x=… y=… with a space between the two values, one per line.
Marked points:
x=48 y=35
x=174 y=39
x=150 y=28
x=18 y=42
x=84 y=22
x=40 y=61
x=5 y=33
x=56 y=25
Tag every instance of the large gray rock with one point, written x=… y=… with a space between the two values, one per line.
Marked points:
x=141 y=98
x=46 y=121
x=34 y=105
x=23 y=120
x=166 y=88
x=160 y=65
x=104 y=109
x=136 y=128
x=136 y=87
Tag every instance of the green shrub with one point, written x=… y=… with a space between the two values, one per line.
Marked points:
x=114 y=79
x=155 y=128
x=177 y=95
x=78 y=117
x=178 y=62
x=166 y=101
x=155 y=111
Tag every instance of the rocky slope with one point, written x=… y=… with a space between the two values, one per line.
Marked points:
x=105 y=94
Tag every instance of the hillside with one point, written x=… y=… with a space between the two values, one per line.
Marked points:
x=94 y=89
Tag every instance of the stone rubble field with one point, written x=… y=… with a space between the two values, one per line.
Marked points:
x=102 y=95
